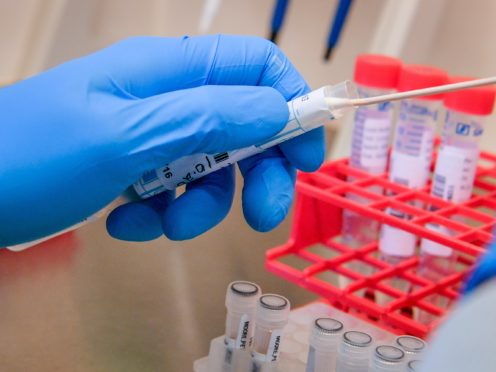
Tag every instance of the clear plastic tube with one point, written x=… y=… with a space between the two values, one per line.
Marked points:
x=453 y=180
x=354 y=352
x=241 y=302
x=411 y=346
x=324 y=341
x=305 y=113
x=369 y=153
x=387 y=359
x=413 y=366
x=411 y=157
x=271 y=316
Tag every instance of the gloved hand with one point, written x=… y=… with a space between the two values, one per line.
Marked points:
x=74 y=138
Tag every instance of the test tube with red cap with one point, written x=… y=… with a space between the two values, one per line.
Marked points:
x=454 y=173
x=374 y=75
x=411 y=153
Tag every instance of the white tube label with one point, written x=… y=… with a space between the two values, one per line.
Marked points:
x=371 y=142
x=243 y=339
x=272 y=349
x=396 y=242
x=453 y=181
x=455 y=173
x=305 y=113
x=434 y=248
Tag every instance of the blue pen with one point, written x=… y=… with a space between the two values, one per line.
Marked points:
x=337 y=25
x=278 y=18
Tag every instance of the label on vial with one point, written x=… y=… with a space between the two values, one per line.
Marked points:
x=272 y=349
x=455 y=173
x=434 y=248
x=371 y=142
x=410 y=166
x=397 y=242
x=243 y=339
x=305 y=113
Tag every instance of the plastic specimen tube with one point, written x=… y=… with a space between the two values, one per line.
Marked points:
x=413 y=366
x=411 y=346
x=271 y=316
x=454 y=174
x=387 y=358
x=374 y=75
x=241 y=302
x=305 y=113
x=411 y=153
x=324 y=341
x=354 y=352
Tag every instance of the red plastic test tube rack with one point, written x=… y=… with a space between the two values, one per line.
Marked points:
x=314 y=257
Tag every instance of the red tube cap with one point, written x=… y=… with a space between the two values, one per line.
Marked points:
x=377 y=71
x=420 y=76
x=473 y=101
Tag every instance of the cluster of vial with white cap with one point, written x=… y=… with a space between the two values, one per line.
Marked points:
x=254 y=333
x=332 y=348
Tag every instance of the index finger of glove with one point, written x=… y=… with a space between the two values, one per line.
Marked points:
x=154 y=65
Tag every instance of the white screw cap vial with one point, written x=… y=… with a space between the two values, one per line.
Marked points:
x=412 y=346
x=387 y=359
x=354 y=353
x=324 y=341
x=241 y=302
x=271 y=316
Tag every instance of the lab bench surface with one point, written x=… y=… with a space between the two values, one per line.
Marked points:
x=87 y=302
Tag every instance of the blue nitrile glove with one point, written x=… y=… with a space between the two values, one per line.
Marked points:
x=484 y=270
x=74 y=138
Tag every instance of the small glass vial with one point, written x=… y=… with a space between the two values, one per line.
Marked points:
x=241 y=302
x=387 y=359
x=324 y=341
x=412 y=346
x=271 y=316
x=354 y=352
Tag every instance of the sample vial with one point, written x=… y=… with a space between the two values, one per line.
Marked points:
x=271 y=316
x=454 y=172
x=305 y=113
x=324 y=341
x=354 y=352
x=241 y=302
x=411 y=153
x=411 y=346
x=387 y=359
x=413 y=366
x=374 y=75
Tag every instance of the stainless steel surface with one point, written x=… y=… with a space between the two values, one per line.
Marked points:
x=87 y=302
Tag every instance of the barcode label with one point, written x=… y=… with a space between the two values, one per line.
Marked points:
x=149 y=176
x=219 y=158
x=441 y=189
